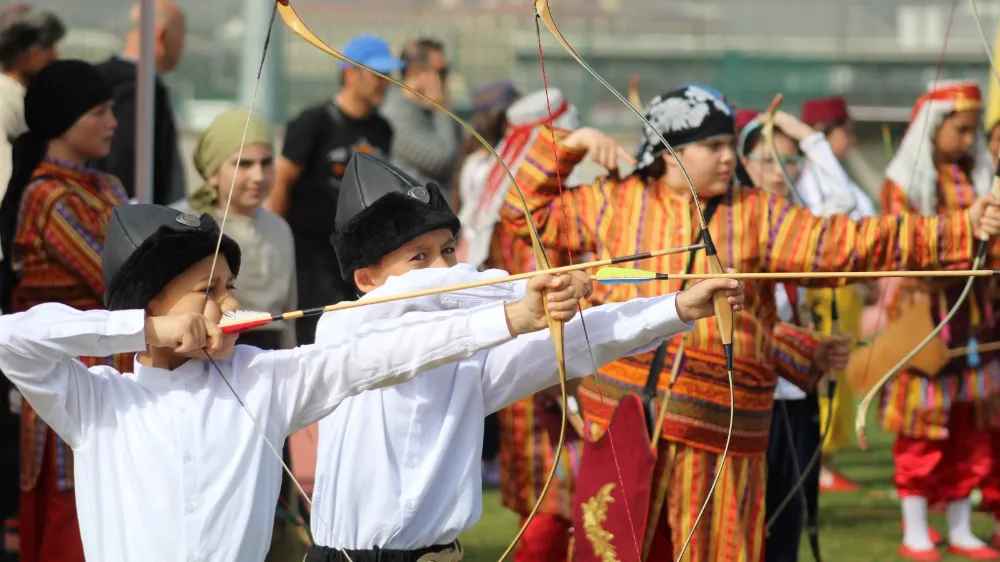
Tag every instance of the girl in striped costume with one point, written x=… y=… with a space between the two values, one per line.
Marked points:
x=942 y=448
x=753 y=231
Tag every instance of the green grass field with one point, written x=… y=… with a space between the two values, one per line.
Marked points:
x=854 y=527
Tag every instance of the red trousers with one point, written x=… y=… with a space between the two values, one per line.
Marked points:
x=546 y=539
x=48 y=525
x=946 y=470
x=990 y=486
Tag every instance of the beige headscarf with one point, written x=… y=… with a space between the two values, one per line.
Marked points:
x=221 y=140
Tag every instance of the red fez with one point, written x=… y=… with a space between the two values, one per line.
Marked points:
x=744 y=117
x=824 y=110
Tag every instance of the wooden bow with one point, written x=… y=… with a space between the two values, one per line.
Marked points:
x=296 y=25
x=724 y=314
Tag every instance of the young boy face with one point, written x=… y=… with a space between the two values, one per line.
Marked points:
x=186 y=294
x=432 y=249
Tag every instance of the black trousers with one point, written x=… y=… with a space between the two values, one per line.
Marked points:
x=10 y=464
x=491 y=438
x=327 y=554
x=801 y=419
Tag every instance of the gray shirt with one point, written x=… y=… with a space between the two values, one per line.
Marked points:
x=425 y=142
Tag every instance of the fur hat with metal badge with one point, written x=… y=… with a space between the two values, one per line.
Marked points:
x=380 y=208
x=147 y=246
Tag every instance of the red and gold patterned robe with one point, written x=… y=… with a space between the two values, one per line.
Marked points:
x=56 y=250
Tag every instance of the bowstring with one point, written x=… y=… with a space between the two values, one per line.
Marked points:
x=211 y=276
x=569 y=256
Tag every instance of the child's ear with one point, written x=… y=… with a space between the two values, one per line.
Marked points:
x=364 y=280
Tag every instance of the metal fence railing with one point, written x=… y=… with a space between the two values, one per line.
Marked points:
x=878 y=53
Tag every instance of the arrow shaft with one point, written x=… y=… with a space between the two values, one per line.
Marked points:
x=804 y=275
x=482 y=283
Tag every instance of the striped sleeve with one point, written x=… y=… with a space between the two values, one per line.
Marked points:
x=893 y=198
x=565 y=221
x=794 y=349
x=794 y=240
x=71 y=232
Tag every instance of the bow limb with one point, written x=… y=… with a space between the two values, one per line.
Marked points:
x=724 y=315
x=297 y=26
x=980 y=260
x=633 y=92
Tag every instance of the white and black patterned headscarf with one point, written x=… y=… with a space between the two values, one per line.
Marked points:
x=686 y=115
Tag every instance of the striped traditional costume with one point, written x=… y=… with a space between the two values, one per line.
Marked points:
x=529 y=427
x=57 y=258
x=942 y=420
x=753 y=232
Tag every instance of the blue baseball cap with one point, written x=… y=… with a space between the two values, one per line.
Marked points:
x=372 y=52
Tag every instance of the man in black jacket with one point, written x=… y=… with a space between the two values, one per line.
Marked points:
x=121 y=72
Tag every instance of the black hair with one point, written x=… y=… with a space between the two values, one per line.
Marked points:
x=828 y=128
x=491 y=125
x=24 y=28
x=416 y=52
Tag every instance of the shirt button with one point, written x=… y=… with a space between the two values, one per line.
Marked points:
x=182 y=409
x=409 y=504
x=192 y=558
x=190 y=510
x=174 y=378
x=187 y=456
x=411 y=464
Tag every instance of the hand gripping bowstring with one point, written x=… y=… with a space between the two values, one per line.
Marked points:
x=981 y=256
x=724 y=315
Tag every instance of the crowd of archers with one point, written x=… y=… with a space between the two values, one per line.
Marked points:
x=125 y=337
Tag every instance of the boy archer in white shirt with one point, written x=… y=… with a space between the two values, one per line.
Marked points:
x=168 y=451
x=397 y=475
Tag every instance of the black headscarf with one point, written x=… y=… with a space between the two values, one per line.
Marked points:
x=55 y=99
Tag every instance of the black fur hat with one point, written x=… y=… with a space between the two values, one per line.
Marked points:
x=147 y=246
x=381 y=208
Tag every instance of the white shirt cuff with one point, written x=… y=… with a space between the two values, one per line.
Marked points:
x=663 y=317
x=127 y=330
x=489 y=325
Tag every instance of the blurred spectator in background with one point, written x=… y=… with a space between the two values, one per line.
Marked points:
x=425 y=141
x=52 y=223
x=318 y=143
x=28 y=38
x=122 y=72
x=267 y=272
x=489 y=119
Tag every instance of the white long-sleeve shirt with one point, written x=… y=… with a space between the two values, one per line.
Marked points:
x=168 y=467
x=825 y=185
x=399 y=468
